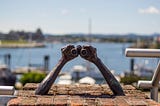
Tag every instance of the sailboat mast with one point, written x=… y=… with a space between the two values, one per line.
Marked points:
x=89 y=39
x=89 y=29
x=29 y=50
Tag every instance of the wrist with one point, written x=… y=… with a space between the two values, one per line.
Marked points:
x=62 y=61
x=97 y=60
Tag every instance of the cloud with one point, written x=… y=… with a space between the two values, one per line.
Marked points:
x=149 y=10
x=65 y=11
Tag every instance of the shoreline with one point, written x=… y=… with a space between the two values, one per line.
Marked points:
x=30 y=45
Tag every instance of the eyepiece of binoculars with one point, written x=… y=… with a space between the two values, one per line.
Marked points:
x=83 y=52
x=74 y=51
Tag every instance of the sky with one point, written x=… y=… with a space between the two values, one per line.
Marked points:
x=71 y=16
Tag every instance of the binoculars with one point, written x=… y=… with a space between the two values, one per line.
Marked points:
x=79 y=51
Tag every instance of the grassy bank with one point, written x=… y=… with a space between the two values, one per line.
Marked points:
x=19 y=44
x=5 y=42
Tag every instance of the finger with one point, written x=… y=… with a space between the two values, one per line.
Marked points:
x=93 y=49
x=67 y=48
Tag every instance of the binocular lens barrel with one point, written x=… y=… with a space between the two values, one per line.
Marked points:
x=78 y=50
x=83 y=52
x=74 y=51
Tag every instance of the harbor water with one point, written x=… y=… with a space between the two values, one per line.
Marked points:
x=112 y=55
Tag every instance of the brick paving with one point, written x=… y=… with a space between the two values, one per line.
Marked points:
x=81 y=95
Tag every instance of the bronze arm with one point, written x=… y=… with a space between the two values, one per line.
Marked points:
x=89 y=53
x=68 y=53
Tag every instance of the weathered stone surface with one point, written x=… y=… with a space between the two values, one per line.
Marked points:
x=81 y=95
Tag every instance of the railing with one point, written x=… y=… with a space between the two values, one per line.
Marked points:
x=154 y=83
x=7 y=90
x=6 y=93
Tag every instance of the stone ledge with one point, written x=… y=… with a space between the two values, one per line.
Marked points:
x=81 y=95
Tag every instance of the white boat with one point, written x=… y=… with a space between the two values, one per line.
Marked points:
x=87 y=80
x=140 y=70
x=65 y=79
x=79 y=71
x=143 y=71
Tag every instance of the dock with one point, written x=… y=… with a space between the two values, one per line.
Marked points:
x=28 y=45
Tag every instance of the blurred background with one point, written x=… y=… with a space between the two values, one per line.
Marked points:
x=33 y=32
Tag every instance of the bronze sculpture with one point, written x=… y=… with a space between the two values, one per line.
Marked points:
x=87 y=52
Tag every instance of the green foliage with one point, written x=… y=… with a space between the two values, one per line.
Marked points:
x=32 y=77
x=132 y=79
x=157 y=46
x=13 y=42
